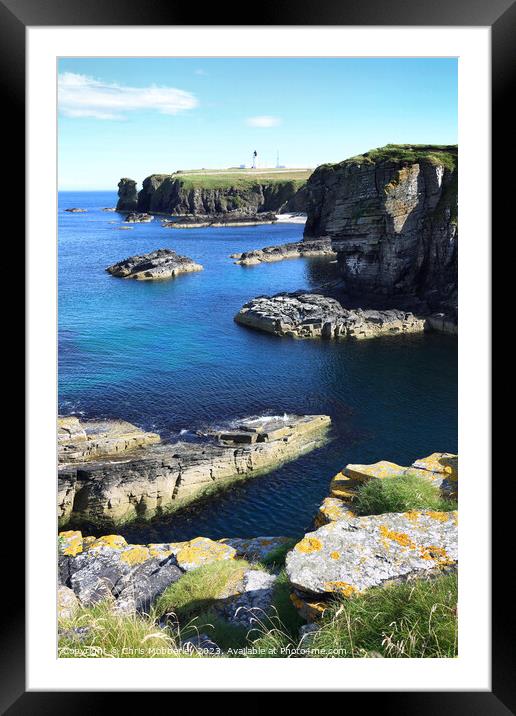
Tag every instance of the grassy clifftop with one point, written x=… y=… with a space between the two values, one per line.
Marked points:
x=445 y=154
x=237 y=178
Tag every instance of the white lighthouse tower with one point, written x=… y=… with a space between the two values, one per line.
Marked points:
x=255 y=154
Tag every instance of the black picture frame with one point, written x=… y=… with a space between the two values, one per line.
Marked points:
x=500 y=16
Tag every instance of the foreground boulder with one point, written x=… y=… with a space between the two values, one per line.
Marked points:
x=351 y=555
x=131 y=576
x=308 y=315
x=293 y=250
x=154 y=266
x=158 y=478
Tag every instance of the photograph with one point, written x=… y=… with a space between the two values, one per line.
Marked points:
x=257 y=324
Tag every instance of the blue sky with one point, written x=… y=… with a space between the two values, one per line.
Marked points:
x=133 y=117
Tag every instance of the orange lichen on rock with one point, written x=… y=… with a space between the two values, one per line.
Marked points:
x=400 y=537
x=438 y=554
x=347 y=590
x=136 y=554
x=70 y=543
x=335 y=555
x=309 y=545
x=307 y=609
x=439 y=516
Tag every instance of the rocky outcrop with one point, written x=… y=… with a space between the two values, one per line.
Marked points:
x=136 y=217
x=127 y=195
x=159 y=478
x=79 y=441
x=293 y=250
x=351 y=555
x=155 y=266
x=308 y=315
x=235 y=218
x=76 y=210
x=391 y=215
x=346 y=554
x=132 y=576
x=187 y=194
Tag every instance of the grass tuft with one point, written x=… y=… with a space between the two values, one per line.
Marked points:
x=415 y=619
x=400 y=493
x=196 y=591
x=95 y=631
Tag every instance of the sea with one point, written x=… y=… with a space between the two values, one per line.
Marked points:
x=168 y=357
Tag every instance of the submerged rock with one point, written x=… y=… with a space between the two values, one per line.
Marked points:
x=154 y=266
x=348 y=556
x=293 y=250
x=158 y=478
x=76 y=210
x=309 y=315
x=138 y=218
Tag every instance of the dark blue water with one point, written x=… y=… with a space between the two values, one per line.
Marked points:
x=168 y=356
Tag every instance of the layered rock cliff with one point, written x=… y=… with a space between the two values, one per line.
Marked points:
x=391 y=215
x=182 y=194
x=111 y=472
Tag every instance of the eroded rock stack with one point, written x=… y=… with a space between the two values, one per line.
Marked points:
x=127 y=195
x=309 y=315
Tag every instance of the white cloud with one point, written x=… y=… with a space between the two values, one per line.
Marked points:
x=83 y=96
x=264 y=120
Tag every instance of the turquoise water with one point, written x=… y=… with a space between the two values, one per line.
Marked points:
x=169 y=358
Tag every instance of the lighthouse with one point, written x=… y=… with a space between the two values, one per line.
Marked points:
x=255 y=154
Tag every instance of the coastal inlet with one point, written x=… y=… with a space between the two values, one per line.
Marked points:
x=168 y=357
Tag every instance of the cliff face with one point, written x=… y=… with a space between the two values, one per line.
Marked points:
x=176 y=194
x=127 y=195
x=391 y=215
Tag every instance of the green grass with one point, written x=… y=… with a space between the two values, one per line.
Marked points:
x=276 y=557
x=95 y=631
x=401 y=493
x=406 y=153
x=415 y=619
x=196 y=591
x=237 y=179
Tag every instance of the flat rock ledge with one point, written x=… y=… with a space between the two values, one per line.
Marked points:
x=310 y=315
x=110 y=478
x=293 y=250
x=201 y=221
x=156 y=266
x=348 y=556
